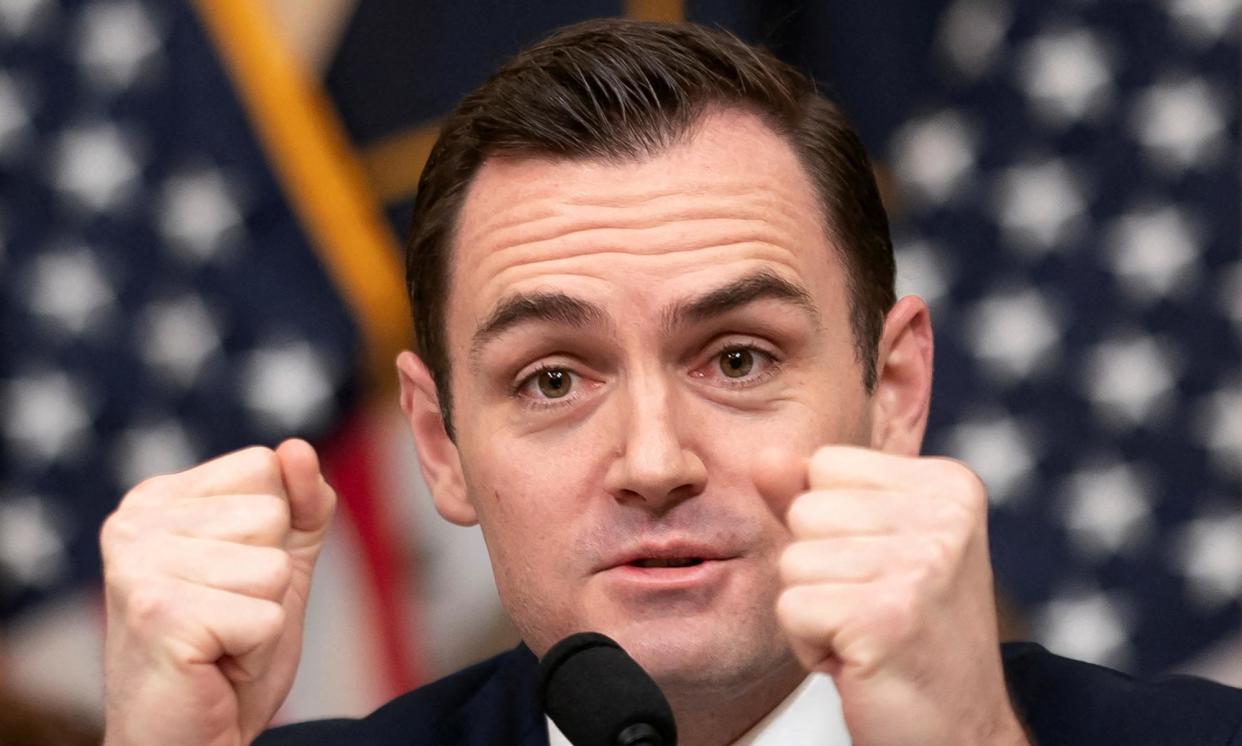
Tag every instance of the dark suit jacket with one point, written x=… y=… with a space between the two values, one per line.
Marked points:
x=1061 y=701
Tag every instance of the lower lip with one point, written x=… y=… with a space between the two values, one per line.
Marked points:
x=669 y=578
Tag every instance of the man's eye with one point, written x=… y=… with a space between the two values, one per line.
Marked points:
x=737 y=363
x=553 y=383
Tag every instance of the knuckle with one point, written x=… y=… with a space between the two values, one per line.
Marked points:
x=939 y=555
x=276 y=571
x=118 y=529
x=269 y=619
x=146 y=605
x=963 y=483
x=262 y=464
x=151 y=488
x=973 y=493
x=256 y=455
x=268 y=512
x=924 y=576
x=898 y=612
x=268 y=462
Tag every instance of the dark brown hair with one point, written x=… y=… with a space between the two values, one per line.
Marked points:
x=614 y=89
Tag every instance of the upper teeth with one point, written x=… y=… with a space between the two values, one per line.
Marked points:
x=677 y=562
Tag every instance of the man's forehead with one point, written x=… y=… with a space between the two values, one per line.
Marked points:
x=724 y=151
x=733 y=191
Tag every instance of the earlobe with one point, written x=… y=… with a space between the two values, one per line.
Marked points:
x=902 y=395
x=437 y=454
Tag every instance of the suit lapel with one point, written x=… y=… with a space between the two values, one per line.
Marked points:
x=504 y=710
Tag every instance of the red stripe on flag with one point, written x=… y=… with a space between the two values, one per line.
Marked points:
x=349 y=464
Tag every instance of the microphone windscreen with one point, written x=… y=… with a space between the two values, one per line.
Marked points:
x=599 y=696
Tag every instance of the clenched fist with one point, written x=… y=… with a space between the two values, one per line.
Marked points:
x=206 y=579
x=888 y=588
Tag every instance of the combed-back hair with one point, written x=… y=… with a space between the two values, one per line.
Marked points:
x=612 y=89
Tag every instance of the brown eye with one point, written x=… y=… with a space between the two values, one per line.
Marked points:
x=736 y=363
x=554 y=382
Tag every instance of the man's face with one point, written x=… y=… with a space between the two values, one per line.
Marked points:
x=624 y=339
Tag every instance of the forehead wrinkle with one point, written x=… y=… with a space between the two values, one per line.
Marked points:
x=508 y=213
x=768 y=215
x=547 y=254
x=779 y=226
x=709 y=254
x=622 y=199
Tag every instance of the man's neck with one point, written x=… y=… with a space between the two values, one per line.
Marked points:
x=710 y=718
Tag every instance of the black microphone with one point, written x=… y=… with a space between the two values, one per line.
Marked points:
x=599 y=696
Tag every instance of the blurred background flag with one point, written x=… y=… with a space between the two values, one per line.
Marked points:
x=198 y=251
x=191 y=264
x=1069 y=203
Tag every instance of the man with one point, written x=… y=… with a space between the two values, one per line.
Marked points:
x=660 y=363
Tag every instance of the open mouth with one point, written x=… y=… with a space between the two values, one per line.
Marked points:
x=673 y=562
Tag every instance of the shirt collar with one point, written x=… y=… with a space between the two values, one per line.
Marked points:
x=811 y=714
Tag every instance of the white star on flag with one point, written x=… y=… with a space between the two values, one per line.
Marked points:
x=1130 y=379
x=1086 y=625
x=199 y=215
x=95 y=167
x=32 y=550
x=68 y=288
x=177 y=337
x=288 y=385
x=1040 y=204
x=143 y=451
x=48 y=416
x=1218 y=426
x=970 y=35
x=1154 y=251
x=1067 y=75
x=1204 y=21
x=116 y=43
x=1209 y=553
x=1108 y=509
x=1181 y=123
x=1014 y=334
x=22 y=17
x=934 y=156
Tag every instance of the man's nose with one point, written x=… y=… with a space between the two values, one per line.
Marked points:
x=655 y=464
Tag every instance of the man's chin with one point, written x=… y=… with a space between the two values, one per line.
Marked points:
x=699 y=654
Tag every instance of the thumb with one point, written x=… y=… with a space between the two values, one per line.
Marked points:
x=311 y=500
x=780 y=475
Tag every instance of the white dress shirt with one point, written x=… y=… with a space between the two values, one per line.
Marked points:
x=810 y=716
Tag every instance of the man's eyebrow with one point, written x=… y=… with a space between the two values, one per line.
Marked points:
x=550 y=306
x=761 y=285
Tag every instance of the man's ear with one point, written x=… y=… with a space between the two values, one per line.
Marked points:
x=437 y=454
x=902 y=393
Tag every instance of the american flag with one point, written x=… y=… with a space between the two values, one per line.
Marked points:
x=162 y=304
x=1069 y=205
